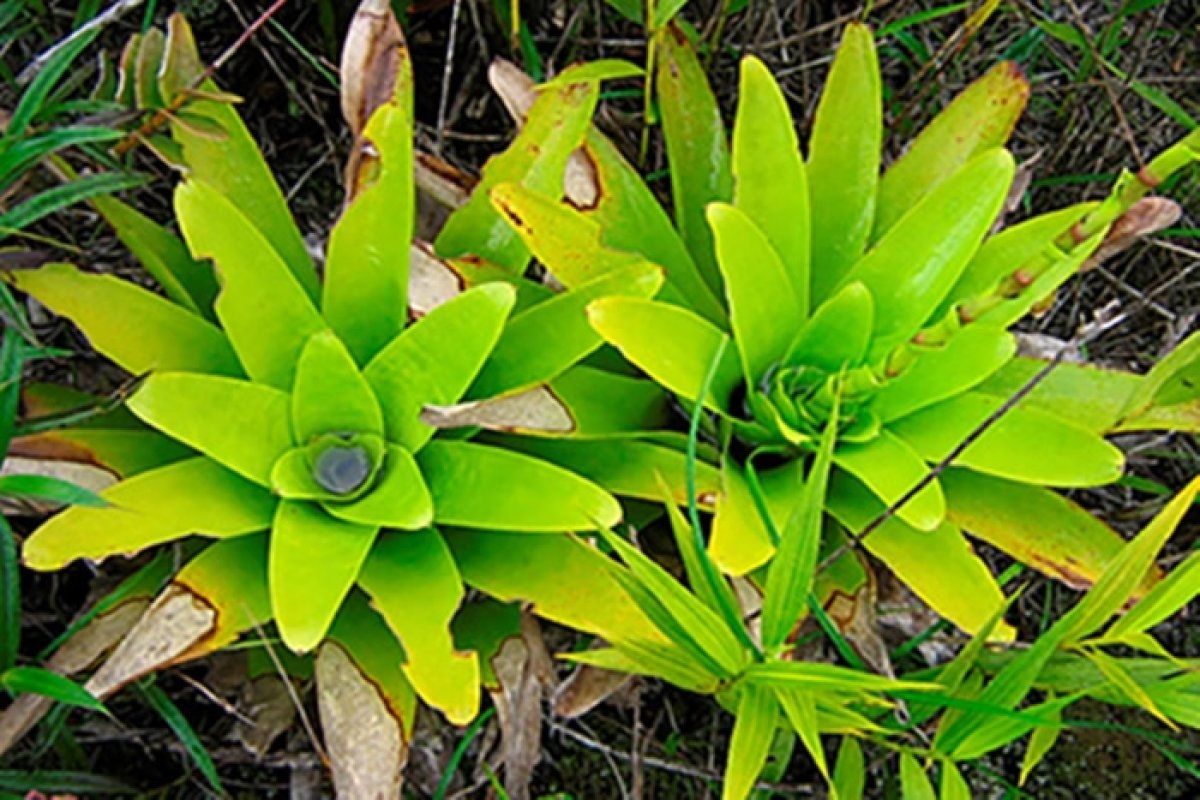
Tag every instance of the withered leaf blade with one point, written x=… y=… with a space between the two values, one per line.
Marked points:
x=517 y=92
x=175 y=623
x=587 y=687
x=366 y=743
x=525 y=673
x=91 y=477
x=372 y=58
x=77 y=654
x=1145 y=217
x=269 y=711
x=431 y=281
x=534 y=410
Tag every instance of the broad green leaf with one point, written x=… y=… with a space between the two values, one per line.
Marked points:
x=193 y=496
x=45 y=487
x=604 y=69
x=107 y=308
x=923 y=255
x=979 y=119
x=330 y=394
x=838 y=333
x=1024 y=445
x=315 y=559
x=1001 y=255
x=566 y=580
x=968 y=358
x=35 y=680
x=1033 y=525
x=414 y=584
x=1054 y=269
x=435 y=360
x=790 y=575
x=680 y=616
x=770 y=186
x=740 y=540
x=631 y=219
x=843 y=160
x=849 y=772
x=624 y=467
x=244 y=426
x=266 y=313
x=1170 y=595
x=672 y=345
x=753 y=729
x=562 y=238
x=541 y=343
x=399 y=498
x=537 y=159
x=891 y=468
x=1040 y=742
x=360 y=631
x=231 y=576
x=602 y=403
x=485 y=625
x=1174 y=379
x=957 y=584
x=800 y=707
x=479 y=486
x=914 y=783
x=123 y=452
x=697 y=147
x=233 y=167
x=1091 y=397
x=188 y=282
x=763 y=306
x=365 y=294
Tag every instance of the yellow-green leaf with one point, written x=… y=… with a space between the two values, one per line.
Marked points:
x=843 y=160
x=770 y=186
x=412 y=579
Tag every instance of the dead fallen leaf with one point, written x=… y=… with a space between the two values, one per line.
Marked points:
x=534 y=410
x=372 y=56
x=431 y=281
x=587 y=687
x=81 y=652
x=269 y=710
x=526 y=674
x=88 y=476
x=366 y=744
x=1145 y=217
x=517 y=92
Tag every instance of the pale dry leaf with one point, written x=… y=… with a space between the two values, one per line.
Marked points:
x=81 y=652
x=85 y=475
x=587 y=687
x=536 y=409
x=517 y=92
x=525 y=673
x=176 y=621
x=365 y=741
x=1145 y=217
x=267 y=705
x=431 y=281
x=371 y=59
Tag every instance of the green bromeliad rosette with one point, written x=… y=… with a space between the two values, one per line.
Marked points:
x=283 y=420
x=890 y=297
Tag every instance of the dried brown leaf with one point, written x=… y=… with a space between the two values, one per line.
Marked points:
x=367 y=750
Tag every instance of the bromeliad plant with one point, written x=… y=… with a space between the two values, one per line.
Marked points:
x=285 y=417
x=892 y=291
